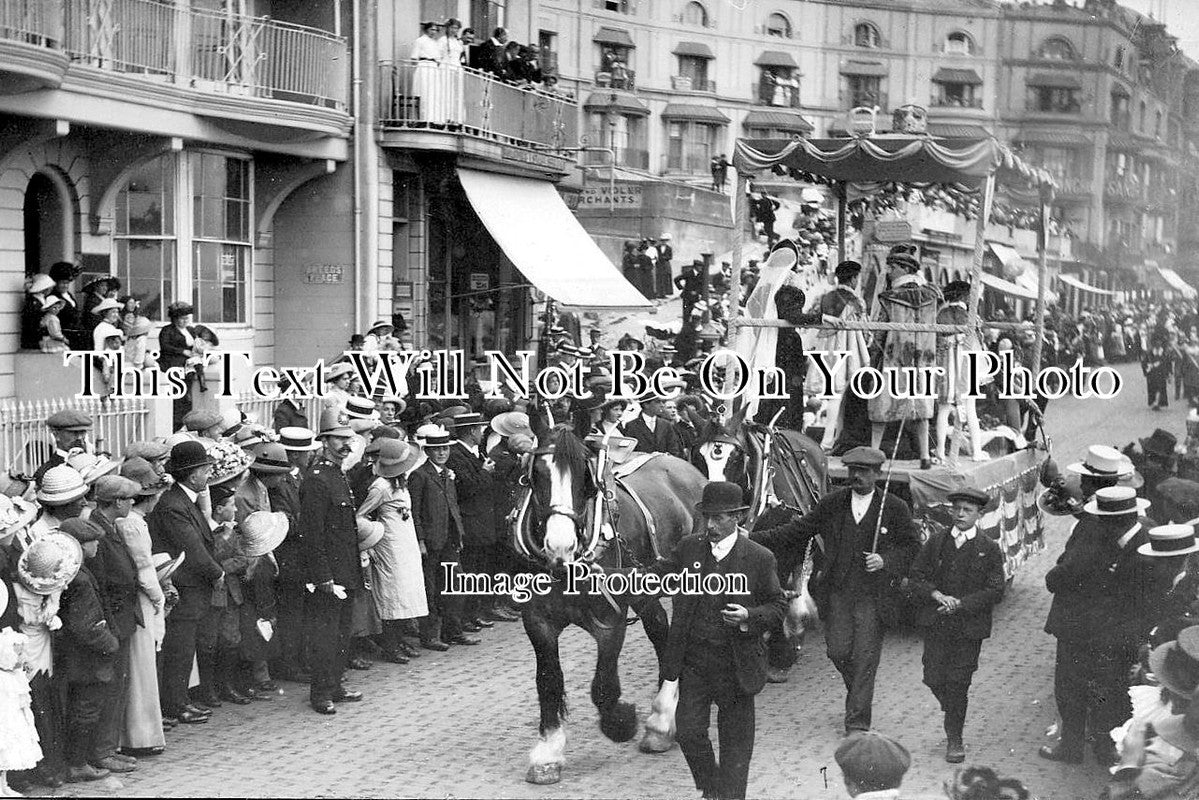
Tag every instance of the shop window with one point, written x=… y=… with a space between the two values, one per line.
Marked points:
x=144 y=236
x=778 y=25
x=866 y=35
x=959 y=43
x=691 y=146
x=779 y=86
x=695 y=15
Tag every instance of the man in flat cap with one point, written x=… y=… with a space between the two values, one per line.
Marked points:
x=872 y=765
x=865 y=542
x=70 y=429
x=959 y=576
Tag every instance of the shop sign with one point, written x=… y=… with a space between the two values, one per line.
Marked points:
x=325 y=273
x=892 y=230
x=480 y=281
x=626 y=196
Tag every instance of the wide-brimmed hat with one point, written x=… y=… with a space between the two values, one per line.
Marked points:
x=721 y=497
x=165 y=566
x=1104 y=462
x=64 y=271
x=90 y=466
x=262 y=532
x=1167 y=541
x=179 y=308
x=50 y=301
x=187 y=456
x=142 y=472
x=379 y=324
x=1176 y=664
x=511 y=422
x=333 y=423
x=49 y=563
x=107 y=304
x=228 y=462
x=98 y=279
x=337 y=370
x=379 y=435
x=270 y=459
x=40 y=283
x=60 y=485
x=395 y=458
x=296 y=439
x=370 y=533
x=433 y=436
x=1160 y=443
x=1114 y=501
x=15 y=514
x=141 y=327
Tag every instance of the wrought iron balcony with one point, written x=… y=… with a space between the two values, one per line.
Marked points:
x=616 y=78
x=957 y=102
x=208 y=50
x=632 y=157
x=685 y=83
x=428 y=96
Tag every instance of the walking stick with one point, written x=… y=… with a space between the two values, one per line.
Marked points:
x=878 y=523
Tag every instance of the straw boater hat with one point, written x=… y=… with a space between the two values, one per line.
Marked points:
x=60 y=485
x=395 y=458
x=262 y=532
x=468 y=419
x=370 y=533
x=165 y=566
x=296 y=439
x=1167 y=541
x=433 y=436
x=1114 y=501
x=1103 y=462
x=50 y=563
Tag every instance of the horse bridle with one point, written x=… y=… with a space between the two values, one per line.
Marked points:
x=522 y=524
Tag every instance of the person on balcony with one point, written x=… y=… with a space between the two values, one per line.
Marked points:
x=63 y=274
x=427 y=52
x=37 y=288
x=490 y=54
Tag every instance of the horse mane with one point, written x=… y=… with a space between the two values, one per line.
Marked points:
x=569 y=449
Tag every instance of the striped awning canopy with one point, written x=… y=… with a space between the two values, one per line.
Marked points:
x=778 y=120
x=952 y=75
x=695 y=113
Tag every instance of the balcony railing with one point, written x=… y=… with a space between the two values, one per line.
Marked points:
x=691 y=163
x=777 y=96
x=867 y=100
x=34 y=22
x=957 y=102
x=209 y=50
x=425 y=95
x=685 y=83
x=616 y=79
x=632 y=157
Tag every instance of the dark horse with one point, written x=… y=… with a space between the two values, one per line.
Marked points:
x=580 y=512
x=782 y=473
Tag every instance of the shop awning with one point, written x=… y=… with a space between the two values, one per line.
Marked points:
x=869 y=68
x=1028 y=280
x=1052 y=137
x=697 y=113
x=1055 y=80
x=696 y=49
x=951 y=75
x=616 y=101
x=1013 y=263
x=778 y=120
x=1175 y=282
x=1070 y=280
x=614 y=36
x=1007 y=287
x=775 y=58
x=532 y=225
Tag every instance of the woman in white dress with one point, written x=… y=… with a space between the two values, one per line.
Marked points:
x=453 y=59
x=143 y=731
x=428 y=79
x=397 y=580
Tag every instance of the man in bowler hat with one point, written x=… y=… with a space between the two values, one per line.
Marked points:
x=865 y=542
x=715 y=649
x=959 y=575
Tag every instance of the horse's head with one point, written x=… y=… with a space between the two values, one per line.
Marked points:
x=721 y=453
x=562 y=482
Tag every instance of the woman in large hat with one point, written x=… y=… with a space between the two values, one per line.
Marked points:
x=397 y=580
x=261 y=532
x=143 y=729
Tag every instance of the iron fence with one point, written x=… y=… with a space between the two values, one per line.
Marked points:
x=26 y=440
x=35 y=22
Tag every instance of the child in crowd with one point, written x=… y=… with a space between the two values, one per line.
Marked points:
x=19 y=748
x=205 y=341
x=53 y=340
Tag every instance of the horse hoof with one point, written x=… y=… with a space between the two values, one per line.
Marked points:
x=654 y=742
x=544 y=774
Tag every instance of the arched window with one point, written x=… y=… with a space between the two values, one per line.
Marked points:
x=866 y=35
x=696 y=15
x=1057 y=49
x=778 y=25
x=959 y=43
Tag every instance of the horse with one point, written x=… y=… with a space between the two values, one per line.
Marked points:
x=577 y=511
x=782 y=473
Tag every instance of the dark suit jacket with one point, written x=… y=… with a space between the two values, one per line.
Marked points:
x=330 y=530
x=898 y=541
x=489 y=57
x=288 y=416
x=116 y=574
x=973 y=574
x=85 y=649
x=476 y=489
x=662 y=439
x=1103 y=593
x=172 y=347
x=788 y=356
x=289 y=555
x=435 y=509
x=177 y=525
x=70 y=318
x=766 y=604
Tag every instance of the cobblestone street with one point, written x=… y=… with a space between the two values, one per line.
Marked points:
x=460 y=724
